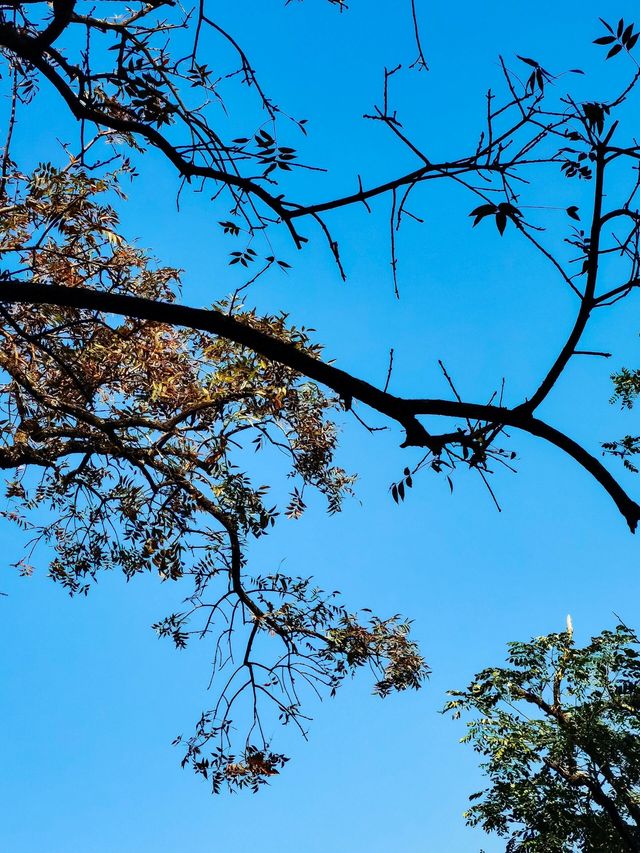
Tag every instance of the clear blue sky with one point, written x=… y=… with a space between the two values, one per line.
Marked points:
x=90 y=699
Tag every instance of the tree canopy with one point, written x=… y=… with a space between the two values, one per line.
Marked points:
x=558 y=729
x=128 y=417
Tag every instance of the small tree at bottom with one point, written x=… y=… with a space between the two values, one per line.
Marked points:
x=558 y=730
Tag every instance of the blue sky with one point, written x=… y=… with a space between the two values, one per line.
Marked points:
x=91 y=699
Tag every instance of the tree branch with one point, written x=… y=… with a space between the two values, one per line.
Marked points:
x=404 y=411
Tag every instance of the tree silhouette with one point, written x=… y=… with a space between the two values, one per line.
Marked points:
x=126 y=435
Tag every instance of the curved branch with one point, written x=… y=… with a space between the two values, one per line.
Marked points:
x=622 y=211
x=588 y=299
x=33 y=51
x=404 y=411
x=30 y=50
x=62 y=13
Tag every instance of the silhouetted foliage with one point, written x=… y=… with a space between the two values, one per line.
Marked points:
x=126 y=438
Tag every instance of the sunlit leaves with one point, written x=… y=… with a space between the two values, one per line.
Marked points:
x=558 y=730
x=140 y=431
x=627 y=387
x=296 y=506
x=625 y=449
x=335 y=644
x=626 y=384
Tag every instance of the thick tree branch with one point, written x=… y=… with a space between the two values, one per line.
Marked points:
x=588 y=298
x=62 y=13
x=405 y=411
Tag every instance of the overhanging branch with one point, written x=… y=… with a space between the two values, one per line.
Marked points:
x=405 y=411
